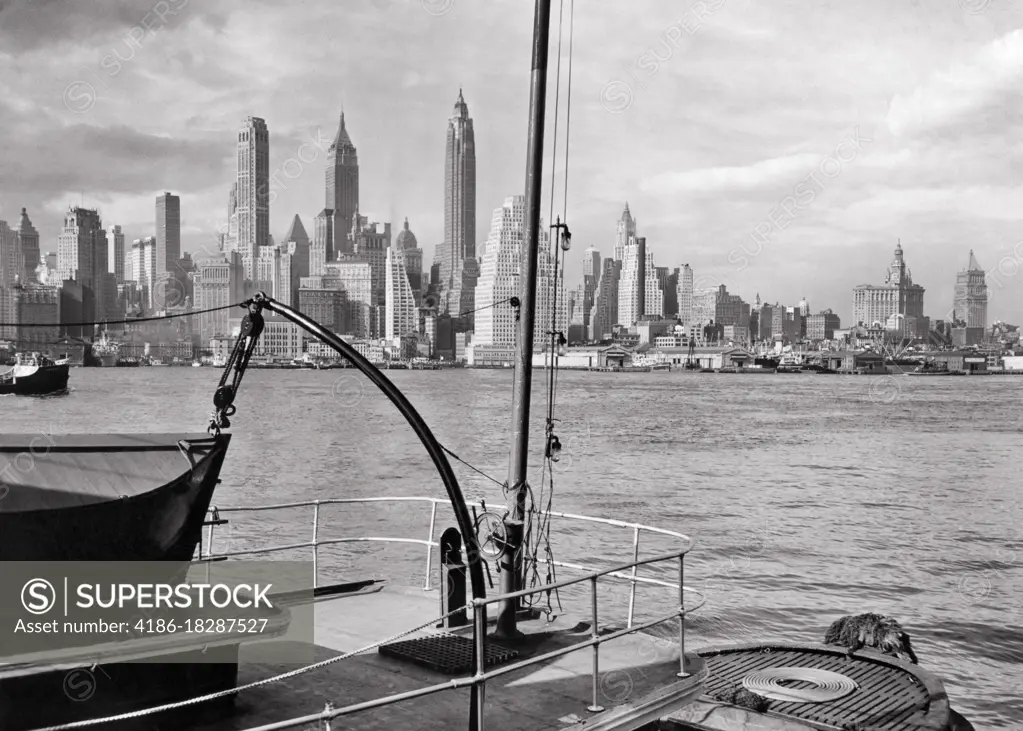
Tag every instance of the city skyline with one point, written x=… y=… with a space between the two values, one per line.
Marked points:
x=922 y=166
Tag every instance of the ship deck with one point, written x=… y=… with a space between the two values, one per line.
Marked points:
x=552 y=694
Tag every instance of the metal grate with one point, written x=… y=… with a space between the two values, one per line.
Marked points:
x=887 y=697
x=448 y=654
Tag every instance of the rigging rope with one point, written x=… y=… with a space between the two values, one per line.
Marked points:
x=121 y=322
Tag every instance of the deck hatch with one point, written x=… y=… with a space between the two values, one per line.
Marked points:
x=446 y=653
x=887 y=697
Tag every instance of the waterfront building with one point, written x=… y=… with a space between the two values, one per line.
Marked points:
x=281 y=338
x=82 y=258
x=455 y=258
x=168 y=232
x=402 y=318
x=341 y=186
x=252 y=193
x=822 y=326
x=875 y=304
x=36 y=305
x=28 y=245
x=495 y=323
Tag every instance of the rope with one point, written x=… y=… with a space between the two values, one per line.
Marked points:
x=485 y=307
x=249 y=686
x=120 y=322
x=474 y=469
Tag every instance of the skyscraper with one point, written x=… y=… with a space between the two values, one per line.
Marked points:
x=591 y=277
x=115 y=249
x=168 y=233
x=499 y=280
x=400 y=310
x=970 y=302
x=82 y=257
x=685 y=295
x=456 y=279
x=342 y=182
x=28 y=243
x=252 y=196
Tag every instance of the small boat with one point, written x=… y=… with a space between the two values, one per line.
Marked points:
x=33 y=374
x=196 y=364
x=106 y=497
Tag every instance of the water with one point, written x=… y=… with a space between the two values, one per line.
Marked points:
x=810 y=497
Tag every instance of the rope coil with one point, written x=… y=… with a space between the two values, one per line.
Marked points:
x=769 y=684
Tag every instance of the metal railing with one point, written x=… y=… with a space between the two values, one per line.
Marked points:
x=626 y=571
x=314 y=544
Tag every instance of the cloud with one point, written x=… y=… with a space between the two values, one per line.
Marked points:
x=765 y=173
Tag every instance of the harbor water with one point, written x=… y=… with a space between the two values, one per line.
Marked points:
x=809 y=496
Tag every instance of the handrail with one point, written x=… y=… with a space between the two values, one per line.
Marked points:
x=626 y=571
x=430 y=543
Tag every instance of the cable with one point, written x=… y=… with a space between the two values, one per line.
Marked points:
x=474 y=469
x=485 y=307
x=120 y=322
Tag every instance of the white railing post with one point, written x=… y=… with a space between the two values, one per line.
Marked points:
x=682 y=617
x=635 y=557
x=596 y=707
x=479 y=684
x=429 y=546
x=316 y=544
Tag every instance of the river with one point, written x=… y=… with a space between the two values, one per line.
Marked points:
x=809 y=497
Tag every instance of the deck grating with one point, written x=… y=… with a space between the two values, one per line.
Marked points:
x=446 y=653
x=888 y=696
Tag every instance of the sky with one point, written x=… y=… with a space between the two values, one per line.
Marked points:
x=779 y=148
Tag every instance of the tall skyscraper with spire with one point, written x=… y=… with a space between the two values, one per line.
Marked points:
x=455 y=258
x=342 y=187
x=970 y=302
x=252 y=197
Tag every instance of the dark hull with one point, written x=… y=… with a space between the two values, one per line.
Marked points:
x=46 y=380
x=161 y=521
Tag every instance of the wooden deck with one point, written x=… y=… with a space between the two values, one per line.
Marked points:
x=553 y=694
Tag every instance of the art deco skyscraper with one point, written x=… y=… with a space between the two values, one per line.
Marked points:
x=253 y=191
x=342 y=186
x=28 y=243
x=456 y=256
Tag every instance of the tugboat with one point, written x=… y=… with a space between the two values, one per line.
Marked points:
x=33 y=374
x=934 y=368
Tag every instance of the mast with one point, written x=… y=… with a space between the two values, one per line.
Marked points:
x=511 y=559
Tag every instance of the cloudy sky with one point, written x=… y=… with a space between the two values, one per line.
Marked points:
x=781 y=148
